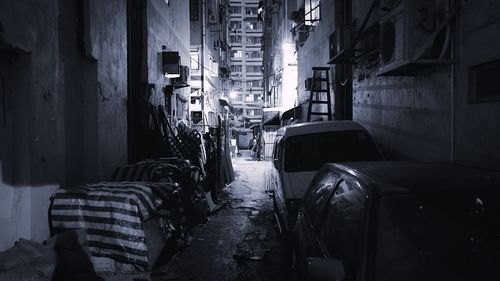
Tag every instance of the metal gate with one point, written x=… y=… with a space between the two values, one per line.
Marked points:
x=269 y=143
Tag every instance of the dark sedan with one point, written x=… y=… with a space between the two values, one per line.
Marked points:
x=387 y=221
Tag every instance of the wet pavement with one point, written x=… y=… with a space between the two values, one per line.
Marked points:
x=241 y=241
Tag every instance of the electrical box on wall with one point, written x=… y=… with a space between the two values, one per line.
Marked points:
x=308 y=84
x=413 y=37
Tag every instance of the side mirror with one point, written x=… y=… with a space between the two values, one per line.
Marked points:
x=276 y=163
x=320 y=269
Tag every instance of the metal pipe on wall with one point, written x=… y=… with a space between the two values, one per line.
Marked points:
x=452 y=90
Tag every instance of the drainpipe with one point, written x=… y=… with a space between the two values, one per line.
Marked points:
x=202 y=60
x=452 y=88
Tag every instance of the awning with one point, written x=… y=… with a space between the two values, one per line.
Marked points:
x=291 y=113
x=224 y=102
x=275 y=120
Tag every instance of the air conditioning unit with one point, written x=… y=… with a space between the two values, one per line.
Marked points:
x=409 y=39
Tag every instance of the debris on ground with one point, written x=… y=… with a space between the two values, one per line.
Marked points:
x=252 y=247
x=27 y=260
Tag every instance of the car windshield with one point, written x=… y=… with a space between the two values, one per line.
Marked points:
x=310 y=152
x=439 y=236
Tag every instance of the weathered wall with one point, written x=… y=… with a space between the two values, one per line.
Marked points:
x=476 y=125
x=163 y=30
x=108 y=38
x=408 y=116
x=429 y=117
x=64 y=70
x=31 y=139
x=315 y=50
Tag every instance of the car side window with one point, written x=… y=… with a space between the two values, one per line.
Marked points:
x=318 y=193
x=341 y=226
x=277 y=150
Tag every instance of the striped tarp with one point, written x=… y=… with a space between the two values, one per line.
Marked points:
x=112 y=214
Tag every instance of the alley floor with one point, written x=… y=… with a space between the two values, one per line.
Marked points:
x=240 y=241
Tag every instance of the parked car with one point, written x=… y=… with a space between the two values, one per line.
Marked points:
x=399 y=221
x=301 y=149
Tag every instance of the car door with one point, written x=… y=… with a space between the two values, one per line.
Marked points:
x=276 y=182
x=315 y=200
x=340 y=232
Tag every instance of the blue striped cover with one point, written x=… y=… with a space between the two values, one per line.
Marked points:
x=112 y=214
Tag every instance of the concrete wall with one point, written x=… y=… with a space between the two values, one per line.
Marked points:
x=63 y=65
x=31 y=135
x=315 y=53
x=167 y=26
x=408 y=116
x=64 y=70
x=108 y=37
x=315 y=50
x=428 y=117
x=476 y=125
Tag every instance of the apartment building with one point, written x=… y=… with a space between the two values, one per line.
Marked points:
x=245 y=35
x=209 y=62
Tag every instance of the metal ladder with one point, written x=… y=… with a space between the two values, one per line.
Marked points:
x=320 y=84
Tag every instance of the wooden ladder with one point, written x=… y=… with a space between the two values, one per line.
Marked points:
x=320 y=84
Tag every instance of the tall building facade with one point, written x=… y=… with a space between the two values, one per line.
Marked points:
x=245 y=35
x=209 y=62
x=280 y=59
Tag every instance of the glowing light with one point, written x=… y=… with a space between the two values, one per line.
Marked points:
x=289 y=75
x=232 y=94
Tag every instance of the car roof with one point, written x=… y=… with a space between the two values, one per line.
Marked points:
x=318 y=127
x=396 y=176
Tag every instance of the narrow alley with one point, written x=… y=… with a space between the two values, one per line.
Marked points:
x=240 y=241
x=253 y=140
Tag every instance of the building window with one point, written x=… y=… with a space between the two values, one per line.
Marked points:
x=254 y=68
x=235 y=10
x=250 y=11
x=253 y=98
x=237 y=84
x=195 y=100
x=249 y=98
x=193 y=10
x=194 y=62
x=235 y=39
x=236 y=54
x=483 y=84
x=235 y=25
x=236 y=68
x=253 y=112
x=255 y=83
x=252 y=25
x=253 y=40
x=312 y=12
x=253 y=55
x=239 y=97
